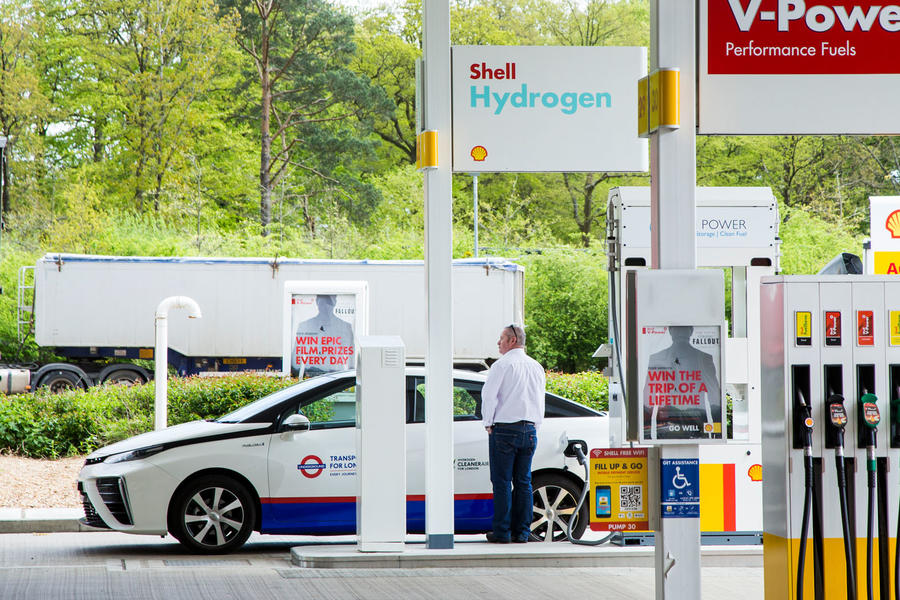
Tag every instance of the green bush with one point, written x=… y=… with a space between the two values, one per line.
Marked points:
x=565 y=308
x=589 y=388
x=77 y=422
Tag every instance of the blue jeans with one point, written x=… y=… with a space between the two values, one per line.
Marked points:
x=511 y=447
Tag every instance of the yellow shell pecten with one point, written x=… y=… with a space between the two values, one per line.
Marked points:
x=893 y=224
x=479 y=153
x=755 y=473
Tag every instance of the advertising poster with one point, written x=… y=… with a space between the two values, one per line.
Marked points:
x=324 y=327
x=619 y=485
x=681 y=382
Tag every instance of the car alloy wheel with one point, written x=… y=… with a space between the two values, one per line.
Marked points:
x=555 y=500
x=213 y=515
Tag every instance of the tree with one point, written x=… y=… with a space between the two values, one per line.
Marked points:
x=143 y=78
x=313 y=110
x=21 y=101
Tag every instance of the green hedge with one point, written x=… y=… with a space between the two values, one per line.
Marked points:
x=79 y=421
x=588 y=388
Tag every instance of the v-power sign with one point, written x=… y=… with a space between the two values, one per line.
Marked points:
x=840 y=56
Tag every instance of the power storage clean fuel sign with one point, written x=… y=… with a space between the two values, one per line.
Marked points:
x=840 y=58
x=547 y=109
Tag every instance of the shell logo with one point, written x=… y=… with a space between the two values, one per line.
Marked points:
x=479 y=153
x=893 y=224
x=755 y=473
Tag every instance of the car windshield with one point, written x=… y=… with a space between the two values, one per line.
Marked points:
x=267 y=402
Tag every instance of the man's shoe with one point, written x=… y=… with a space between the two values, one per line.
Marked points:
x=493 y=539
x=520 y=540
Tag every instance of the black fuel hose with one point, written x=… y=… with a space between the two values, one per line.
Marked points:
x=582 y=460
x=804 y=525
x=870 y=534
x=841 y=469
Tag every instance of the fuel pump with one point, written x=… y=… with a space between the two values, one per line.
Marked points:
x=895 y=441
x=806 y=432
x=838 y=417
x=871 y=416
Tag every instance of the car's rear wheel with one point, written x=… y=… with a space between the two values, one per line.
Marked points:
x=555 y=500
x=213 y=514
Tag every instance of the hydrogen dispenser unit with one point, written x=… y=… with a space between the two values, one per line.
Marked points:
x=830 y=354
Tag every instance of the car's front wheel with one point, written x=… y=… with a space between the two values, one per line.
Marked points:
x=213 y=514
x=555 y=500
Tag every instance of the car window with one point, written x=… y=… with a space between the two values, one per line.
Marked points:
x=335 y=409
x=466 y=401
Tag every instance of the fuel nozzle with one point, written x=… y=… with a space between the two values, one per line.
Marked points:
x=838 y=416
x=871 y=417
x=806 y=423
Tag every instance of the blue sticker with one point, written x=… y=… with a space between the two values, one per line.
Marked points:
x=680 y=488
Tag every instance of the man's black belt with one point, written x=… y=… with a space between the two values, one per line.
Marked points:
x=523 y=422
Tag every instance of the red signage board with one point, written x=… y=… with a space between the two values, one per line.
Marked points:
x=865 y=328
x=832 y=328
x=782 y=37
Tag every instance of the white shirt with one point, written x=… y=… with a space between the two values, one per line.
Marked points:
x=514 y=390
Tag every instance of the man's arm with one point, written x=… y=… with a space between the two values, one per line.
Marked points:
x=490 y=396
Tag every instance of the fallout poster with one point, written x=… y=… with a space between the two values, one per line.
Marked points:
x=681 y=380
x=323 y=326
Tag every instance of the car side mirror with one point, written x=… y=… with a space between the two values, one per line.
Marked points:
x=295 y=423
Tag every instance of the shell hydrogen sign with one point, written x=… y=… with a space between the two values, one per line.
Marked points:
x=547 y=109
x=841 y=58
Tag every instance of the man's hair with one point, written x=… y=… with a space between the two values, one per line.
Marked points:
x=519 y=337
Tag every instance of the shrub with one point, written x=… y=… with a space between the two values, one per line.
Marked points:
x=79 y=421
x=565 y=308
x=589 y=388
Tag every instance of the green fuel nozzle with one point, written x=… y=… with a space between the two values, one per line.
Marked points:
x=871 y=417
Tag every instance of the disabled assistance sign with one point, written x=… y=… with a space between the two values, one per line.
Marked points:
x=679 y=480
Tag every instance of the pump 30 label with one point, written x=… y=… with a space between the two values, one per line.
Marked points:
x=803 y=328
x=865 y=328
x=832 y=328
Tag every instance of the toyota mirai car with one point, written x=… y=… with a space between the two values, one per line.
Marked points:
x=286 y=464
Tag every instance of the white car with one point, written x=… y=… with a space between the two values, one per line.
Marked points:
x=286 y=464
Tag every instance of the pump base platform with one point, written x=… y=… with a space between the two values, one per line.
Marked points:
x=483 y=554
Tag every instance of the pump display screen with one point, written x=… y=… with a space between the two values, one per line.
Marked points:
x=680 y=381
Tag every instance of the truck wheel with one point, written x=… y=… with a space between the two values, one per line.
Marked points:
x=213 y=514
x=60 y=381
x=555 y=499
x=126 y=377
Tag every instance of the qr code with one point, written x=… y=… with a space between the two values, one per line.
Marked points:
x=631 y=497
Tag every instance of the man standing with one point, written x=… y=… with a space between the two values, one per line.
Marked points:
x=512 y=410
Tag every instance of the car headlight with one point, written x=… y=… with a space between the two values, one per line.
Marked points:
x=133 y=454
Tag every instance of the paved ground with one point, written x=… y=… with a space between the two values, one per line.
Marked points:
x=96 y=566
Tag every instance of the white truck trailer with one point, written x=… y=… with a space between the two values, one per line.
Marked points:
x=98 y=311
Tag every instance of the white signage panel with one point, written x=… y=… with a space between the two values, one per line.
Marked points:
x=547 y=109
x=884 y=222
x=794 y=67
x=717 y=226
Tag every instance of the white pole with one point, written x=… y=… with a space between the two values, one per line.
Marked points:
x=673 y=181
x=438 y=289
x=475 y=202
x=161 y=354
